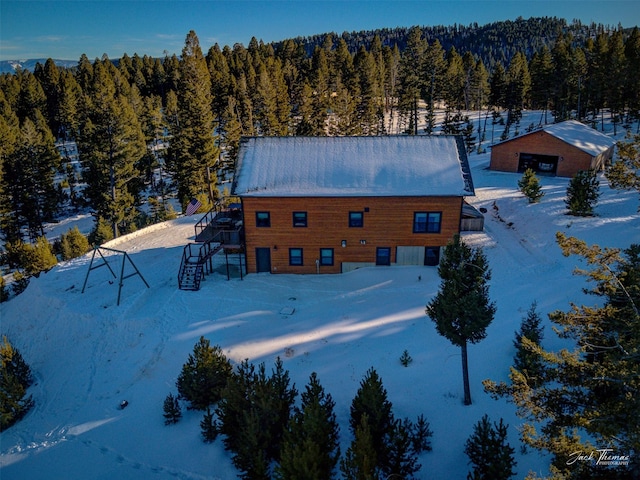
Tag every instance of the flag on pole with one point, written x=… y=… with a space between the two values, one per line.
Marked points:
x=193 y=206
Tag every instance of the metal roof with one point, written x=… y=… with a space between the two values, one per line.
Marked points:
x=434 y=165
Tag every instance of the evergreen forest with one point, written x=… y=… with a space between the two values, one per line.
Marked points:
x=184 y=115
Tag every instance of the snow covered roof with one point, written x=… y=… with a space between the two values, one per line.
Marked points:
x=581 y=136
x=433 y=165
x=577 y=134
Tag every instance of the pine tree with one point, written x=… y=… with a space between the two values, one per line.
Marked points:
x=421 y=435
x=310 y=447
x=204 y=376
x=49 y=78
x=28 y=179
x=15 y=378
x=530 y=187
x=616 y=66
x=517 y=88
x=20 y=282
x=624 y=173
x=412 y=73
x=193 y=151
x=209 y=427
x=31 y=259
x=320 y=94
x=498 y=87
x=542 y=78
x=632 y=74
x=590 y=395
x=583 y=193
x=254 y=412
x=361 y=460
x=527 y=360
x=4 y=293
x=41 y=257
x=370 y=108
x=111 y=144
x=489 y=453
x=31 y=97
x=101 y=233
x=402 y=460
x=455 y=81
x=461 y=309
x=371 y=400
x=69 y=100
x=73 y=244
x=9 y=136
x=172 y=411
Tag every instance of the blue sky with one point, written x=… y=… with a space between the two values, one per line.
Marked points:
x=65 y=29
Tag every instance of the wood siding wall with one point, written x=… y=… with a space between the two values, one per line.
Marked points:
x=506 y=156
x=387 y=223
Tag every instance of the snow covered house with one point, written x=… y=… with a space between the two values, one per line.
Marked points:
x=561 y=149
x=332 y=204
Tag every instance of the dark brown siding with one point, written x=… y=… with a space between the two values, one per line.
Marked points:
x=505 y=156
x=387 y=223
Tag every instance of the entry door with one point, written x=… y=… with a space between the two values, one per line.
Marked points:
x=383 y=256
x=263 y=259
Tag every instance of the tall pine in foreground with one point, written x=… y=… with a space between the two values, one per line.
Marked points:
x=461 y=309
x=311 y=447
x=489 y=453
x=371 y=400
x=253 y=414
x=590 y=396
x=383 y=446
x=527 y=360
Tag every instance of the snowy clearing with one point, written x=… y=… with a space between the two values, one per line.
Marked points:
x=88 y=354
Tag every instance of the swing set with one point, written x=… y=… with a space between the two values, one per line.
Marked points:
x=123 y=277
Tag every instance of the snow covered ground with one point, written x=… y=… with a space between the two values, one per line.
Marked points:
x=88 y=354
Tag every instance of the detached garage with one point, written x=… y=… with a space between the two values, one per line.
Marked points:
x=561 y=149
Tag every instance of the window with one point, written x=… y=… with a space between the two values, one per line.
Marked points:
x=427 y=222
x=383 y=256
x=299 y=219
x=356 y=219
x=326 y=257
x=432 y=256
x=263 y=219
x=295 y=257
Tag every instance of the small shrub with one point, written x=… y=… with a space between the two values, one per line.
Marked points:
x=529 y=185
x=209 y=427
x=15 y=378
x=103 y=232
x=405 y=359
x=73 y=244
x=204 y=375
x=41 y=257
x=20 y=282
x=172 y=410
x=583 y=193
